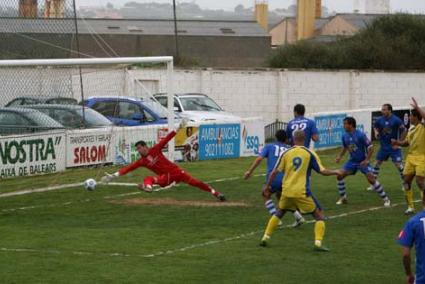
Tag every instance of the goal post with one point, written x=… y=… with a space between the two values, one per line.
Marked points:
x=81 y=78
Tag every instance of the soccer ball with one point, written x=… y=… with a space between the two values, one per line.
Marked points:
x=90 y=184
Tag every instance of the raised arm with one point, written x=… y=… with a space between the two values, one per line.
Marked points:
x=415 y=105
x=161 y=144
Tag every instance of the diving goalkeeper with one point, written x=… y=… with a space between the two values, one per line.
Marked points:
x=166 y=171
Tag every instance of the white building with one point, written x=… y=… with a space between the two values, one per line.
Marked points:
x=377 y=6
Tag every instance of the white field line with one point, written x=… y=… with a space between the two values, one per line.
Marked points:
x=44 y=189
x=174 y=251
x=80 y=184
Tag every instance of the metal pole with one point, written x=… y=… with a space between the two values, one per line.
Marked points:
x=79 y=68
x=175 y=31
x=170 y=106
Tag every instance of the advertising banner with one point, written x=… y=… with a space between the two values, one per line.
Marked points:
x=89 y=147
x=32 y=154
x=331 y=127
x=187 y=144
x=252 y=140
x=219 y=141
x=125 y=138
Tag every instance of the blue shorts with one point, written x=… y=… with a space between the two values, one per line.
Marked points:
x=353 y=167
x=276 y=186
x=276 y=183
x=384 y=154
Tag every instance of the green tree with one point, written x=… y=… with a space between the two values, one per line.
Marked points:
x=392 y=42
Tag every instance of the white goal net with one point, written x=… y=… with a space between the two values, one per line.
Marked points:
x=63 y=113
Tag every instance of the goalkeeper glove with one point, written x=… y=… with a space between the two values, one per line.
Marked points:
x=109 y=177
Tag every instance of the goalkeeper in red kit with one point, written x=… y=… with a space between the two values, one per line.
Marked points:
x=166 y=171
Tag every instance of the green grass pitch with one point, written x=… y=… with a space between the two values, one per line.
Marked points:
x=75 y=236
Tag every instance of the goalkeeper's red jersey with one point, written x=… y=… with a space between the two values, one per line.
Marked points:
x=155 y=160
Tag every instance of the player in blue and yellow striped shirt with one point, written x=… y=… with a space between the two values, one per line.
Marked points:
x=297 y=164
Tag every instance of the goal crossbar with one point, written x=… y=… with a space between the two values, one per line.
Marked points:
x=84 y=61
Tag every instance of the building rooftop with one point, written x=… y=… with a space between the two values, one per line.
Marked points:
x=137 y=27
x=359 y=21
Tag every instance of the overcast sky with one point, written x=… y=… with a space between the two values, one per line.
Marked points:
x=413 y=6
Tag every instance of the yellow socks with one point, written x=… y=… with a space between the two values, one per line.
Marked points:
x=272 y=225
x=319 y=232
x=408 y=194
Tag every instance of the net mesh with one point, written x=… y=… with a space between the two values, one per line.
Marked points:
x=37 y=29
x=58 y=117
x=51 y=117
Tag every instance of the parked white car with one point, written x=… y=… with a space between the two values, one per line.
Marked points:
x=197 y=108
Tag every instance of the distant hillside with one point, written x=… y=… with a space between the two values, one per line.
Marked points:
x=186 y=10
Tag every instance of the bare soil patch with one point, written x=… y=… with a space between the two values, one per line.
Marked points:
x=175 y=202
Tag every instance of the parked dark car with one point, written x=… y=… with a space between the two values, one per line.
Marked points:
x=127 y=111
x=22 y=120
x=71 y=116
x=21 y=101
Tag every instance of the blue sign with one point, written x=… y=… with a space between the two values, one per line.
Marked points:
x=330 y=128
x=219 y=141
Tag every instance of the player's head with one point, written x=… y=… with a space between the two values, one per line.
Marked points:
x=189 y=131
x=415 y=117
x=386 y=110
x=281 y=136
x=299 y=137
x=349 y=123
x=299 y=110
x=142 y=148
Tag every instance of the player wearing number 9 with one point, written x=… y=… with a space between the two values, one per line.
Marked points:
x=308 y=126
x=296 y=164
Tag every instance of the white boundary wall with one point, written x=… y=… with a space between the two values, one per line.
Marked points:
x=272 y=94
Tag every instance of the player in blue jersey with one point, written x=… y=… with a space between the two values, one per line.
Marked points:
x=360 y=149
x=388 y=127
x=413 y=233
x=304 y=124
x=271 y=152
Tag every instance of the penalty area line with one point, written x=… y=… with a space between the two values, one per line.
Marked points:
x=186 y=248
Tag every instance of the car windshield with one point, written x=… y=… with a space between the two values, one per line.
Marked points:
x=93 y=118
x=41 y=119
x=156 y=108
x=200 y=103
x=62 y=101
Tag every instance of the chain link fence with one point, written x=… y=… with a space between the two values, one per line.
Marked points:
x=38 y=29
